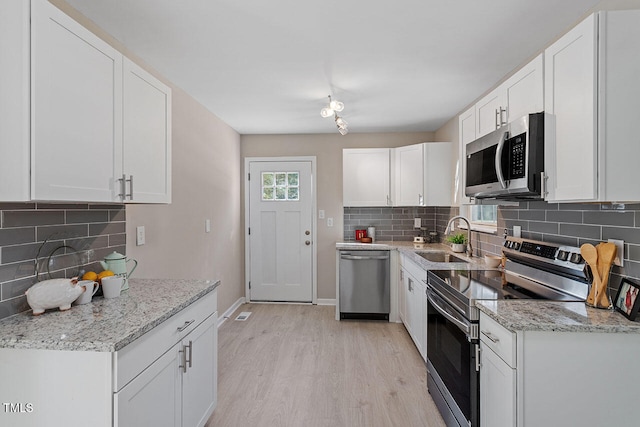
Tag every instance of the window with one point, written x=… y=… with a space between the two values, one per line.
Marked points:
x=280 y=186
x=482 y=217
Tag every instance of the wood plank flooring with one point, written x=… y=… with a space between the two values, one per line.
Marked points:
x=295 y=365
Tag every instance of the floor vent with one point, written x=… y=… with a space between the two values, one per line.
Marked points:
x=243 y=316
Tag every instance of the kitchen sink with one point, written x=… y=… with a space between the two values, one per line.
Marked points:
x=440 y=257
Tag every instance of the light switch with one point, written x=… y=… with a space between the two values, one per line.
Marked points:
x=207 y=226
x=140 y=235
x=321 y=214
x=417 y=222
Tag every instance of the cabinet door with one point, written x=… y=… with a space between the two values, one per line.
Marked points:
x=147 y=136
x=366 y=177
x=153 y=398
x=402 y=295
x=524 y=90
x=497 y=390
x=14 y=101
x=76 y=109
x=467 y=134
x=409 y=182
x=199 y=382
x=490 y=112
x=438 y=173
x=570 y=97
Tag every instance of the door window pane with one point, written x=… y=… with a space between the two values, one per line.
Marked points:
x=280 y=186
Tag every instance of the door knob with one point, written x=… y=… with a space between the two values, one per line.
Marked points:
x=307 y=242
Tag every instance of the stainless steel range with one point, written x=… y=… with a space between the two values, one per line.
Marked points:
x=533 y=270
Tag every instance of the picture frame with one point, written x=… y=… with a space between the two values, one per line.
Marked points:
x=627 y=301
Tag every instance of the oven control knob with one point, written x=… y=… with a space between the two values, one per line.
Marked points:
x=507 y=243
x=516 y=245
x=576 y=258
x=563 y=255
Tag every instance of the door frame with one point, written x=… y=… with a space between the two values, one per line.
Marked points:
x=314 y=221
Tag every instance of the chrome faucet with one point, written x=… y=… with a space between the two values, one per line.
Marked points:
x=446 y=230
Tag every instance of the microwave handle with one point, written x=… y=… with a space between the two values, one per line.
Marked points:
x=498 y=160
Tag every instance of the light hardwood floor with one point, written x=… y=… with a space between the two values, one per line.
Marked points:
x=295 y=365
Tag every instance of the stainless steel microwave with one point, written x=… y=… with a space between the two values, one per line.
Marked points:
x=507 y=163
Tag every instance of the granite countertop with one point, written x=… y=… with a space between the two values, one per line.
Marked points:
x=555 y=316
x=104 y=325
x=413 y=249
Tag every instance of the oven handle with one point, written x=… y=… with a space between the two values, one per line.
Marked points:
x=461 y=324
x=498 y=160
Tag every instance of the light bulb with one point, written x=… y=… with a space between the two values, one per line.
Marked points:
x=326 y=112
x=341 y=122
x=343 y=131
x=336 y=106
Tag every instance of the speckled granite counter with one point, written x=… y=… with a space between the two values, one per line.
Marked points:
x=552 y=316
x=104 y=325
x=413 y=249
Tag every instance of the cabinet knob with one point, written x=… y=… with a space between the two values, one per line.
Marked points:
x=307 y=242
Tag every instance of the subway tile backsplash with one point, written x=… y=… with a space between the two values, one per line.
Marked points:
x=43 y=240
x=569 y=223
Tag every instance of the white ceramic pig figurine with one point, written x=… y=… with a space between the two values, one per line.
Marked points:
x=53 y=293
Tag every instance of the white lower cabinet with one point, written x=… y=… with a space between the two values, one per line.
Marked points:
x=497 y=377
x=536 y=378
x=413 y=304
x=166 y=377
x=179 y=386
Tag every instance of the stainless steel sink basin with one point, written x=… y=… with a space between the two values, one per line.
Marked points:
x=440 y=257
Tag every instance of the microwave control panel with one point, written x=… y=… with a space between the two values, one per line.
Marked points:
x=517 y=149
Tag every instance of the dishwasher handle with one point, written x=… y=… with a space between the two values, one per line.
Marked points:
x=361 y=257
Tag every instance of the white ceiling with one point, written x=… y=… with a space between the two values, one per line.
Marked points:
x=268 y=66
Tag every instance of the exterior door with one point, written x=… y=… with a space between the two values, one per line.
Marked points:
x=280 y=231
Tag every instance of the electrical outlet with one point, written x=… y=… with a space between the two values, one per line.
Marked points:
x=417 y=222
x=517 y=231
x=140 y=235
x=329 y=222
x=207 y=226
x=321 y=214
x=619 y=261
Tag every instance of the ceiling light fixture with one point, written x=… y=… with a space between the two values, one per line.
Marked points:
x=333 y=109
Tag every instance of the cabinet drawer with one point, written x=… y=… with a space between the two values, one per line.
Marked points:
x=414 y=269
x=501 y=340
x=135 y=357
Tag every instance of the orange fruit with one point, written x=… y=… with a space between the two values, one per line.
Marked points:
x=90 y=275
x=104 y=274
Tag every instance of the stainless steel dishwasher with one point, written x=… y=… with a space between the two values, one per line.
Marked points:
x=364 y=284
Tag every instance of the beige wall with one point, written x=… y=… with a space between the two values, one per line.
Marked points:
x=328 y=151
x=206 y=185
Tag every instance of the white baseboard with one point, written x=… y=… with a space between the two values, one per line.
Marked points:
x=326 y=301
x=230 y=311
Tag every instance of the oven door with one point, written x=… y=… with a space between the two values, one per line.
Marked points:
x=452 y=362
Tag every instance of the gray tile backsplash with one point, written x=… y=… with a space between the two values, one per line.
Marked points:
x=569 y=223
x=64 y=239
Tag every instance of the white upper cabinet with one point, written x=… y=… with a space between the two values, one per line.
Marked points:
x=519 y=95
x=592 y=92
x=77 y=124
x=414 y=175
x=366 y=176
x=467 y=134
x=147 y=137
x=14 y=100
x=409 y=182
x=76 y=109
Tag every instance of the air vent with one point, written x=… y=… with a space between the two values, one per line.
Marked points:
x=243 y=316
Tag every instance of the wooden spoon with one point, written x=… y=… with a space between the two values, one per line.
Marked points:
x=590 y=255
x=606 y=255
